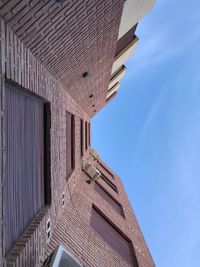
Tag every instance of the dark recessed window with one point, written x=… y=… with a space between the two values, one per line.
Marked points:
x=81 y=138
x=108 y=198
x=27 y=183
x=70 y=143
x=106 y=172
x=89 y=134
x=113 y=186
x=86 y=136
x=113 y=236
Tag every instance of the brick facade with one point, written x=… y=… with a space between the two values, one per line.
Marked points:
x=75 y=233
x=70 y=39
x=34 y=77
x=37 y=54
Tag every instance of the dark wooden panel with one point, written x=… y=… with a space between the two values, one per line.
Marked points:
x=24 y=184
x=70 y=143
x=113 y=186
x=113 y=236
x=47 y=152
x=86 y=136
x=105 y=195
x=89 y=134
x=73 y=142
x=105 y=171
x=81 y=138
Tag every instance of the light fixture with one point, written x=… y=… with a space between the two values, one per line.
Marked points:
x=85 y=74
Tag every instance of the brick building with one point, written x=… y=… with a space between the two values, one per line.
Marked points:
x=60 y=63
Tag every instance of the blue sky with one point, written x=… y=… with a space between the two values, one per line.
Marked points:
x=150 y=133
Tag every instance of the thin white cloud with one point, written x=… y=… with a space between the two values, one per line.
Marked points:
x=150 y=119
x=155 y=48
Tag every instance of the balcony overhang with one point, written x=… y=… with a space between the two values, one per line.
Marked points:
x=117 y=77
x=124 y=54
x=113 y=89
x=110 y=98
x=133 y=11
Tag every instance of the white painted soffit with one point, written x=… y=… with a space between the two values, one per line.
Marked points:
x=117 y=77
x=113 y=89
x=124 y=55
x=133 y=11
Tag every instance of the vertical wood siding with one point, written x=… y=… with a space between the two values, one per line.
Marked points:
x=24 y=185
x=112 y=236
x=105 y=195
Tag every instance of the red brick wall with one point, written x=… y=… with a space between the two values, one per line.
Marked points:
x=70 y=39
x=75 y=233
x=89 y=45
x=20 y=66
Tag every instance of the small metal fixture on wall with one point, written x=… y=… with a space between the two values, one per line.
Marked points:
x=48 y=229
x=92 y=171
x=85 y=74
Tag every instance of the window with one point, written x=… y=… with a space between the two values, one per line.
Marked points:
x=107 y=197
x=60 y=258
x=89 y=134
x=81 y=137
x=70 y=144
x=27 y=183
x=113 y=236
x=104 y=170
x=113 y=186
x=86 y=136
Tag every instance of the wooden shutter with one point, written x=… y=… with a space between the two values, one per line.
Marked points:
x=86 y=136
x=113 y=236
x=108 y=182
x=24 y=183
x=89 y=134
x=81 y=138
x=70 y=143
x=105 y=171
x=107 y=197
